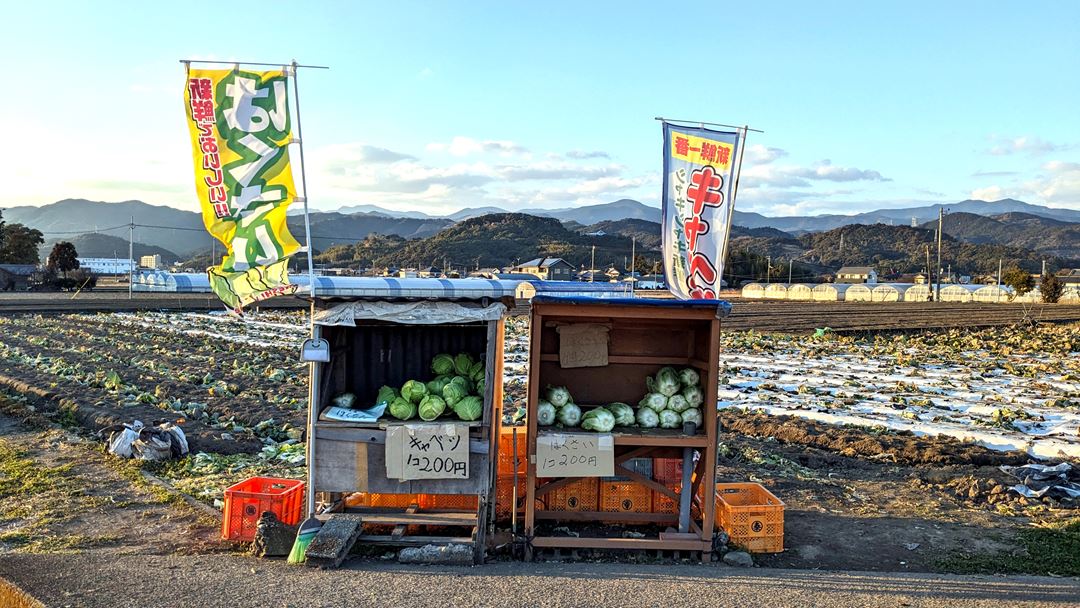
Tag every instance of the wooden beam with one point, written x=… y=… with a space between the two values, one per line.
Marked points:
x=641 y=544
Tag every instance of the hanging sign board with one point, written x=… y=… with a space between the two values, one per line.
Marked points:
x=575 y=455
x=427 y=451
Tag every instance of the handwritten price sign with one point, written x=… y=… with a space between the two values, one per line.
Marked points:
x=422 y=451
x=575 y=455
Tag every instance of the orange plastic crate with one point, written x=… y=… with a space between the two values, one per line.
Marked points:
x=247 y=500
x=398 y=500
x=751 y=515
x=506 y=451
x=504 y=496
x=625 y=497
x=663 y=504
x=579 y=495
x=463 y=502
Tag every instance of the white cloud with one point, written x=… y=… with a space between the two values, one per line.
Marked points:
x=1024 y=144
x=795 y=176
x=465 y=146
x=758 y=154
x=547 y=170
x=581 y=154
x=1057 y=185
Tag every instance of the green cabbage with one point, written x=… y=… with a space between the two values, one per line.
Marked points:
x=463 y=382
x=431 y=407
x=476 y=371
x=647 y=418
x=668 y=419
x=454 y=392
x=545 y=413
x=442 y=365
x=569 y=415
x=677 y=403
x=462 y=363
x=481 y=384
x=469 y=408
x=386 y=395
x=654 y=401
x=414 y=390
x=689 y=377
x=694 y=396
x=599 y=420
x=434 y=387
x=558 y=396
x=624 y=414
x=692 y=415
x=402 y=409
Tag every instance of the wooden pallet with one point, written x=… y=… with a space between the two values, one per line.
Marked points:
x=403 y=525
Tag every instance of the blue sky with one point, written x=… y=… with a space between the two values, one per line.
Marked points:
x=434 y=106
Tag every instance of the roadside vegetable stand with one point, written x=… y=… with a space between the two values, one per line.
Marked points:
x=601 y=351
x=405 y=480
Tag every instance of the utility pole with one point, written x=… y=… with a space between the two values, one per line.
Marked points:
x=1044 y=268
x=633 y=264
x=790 y=264
x=841 y=245
x=131 y=256
x=940 y=222
x=768 y=269
x=929 y=275
x=999 y=272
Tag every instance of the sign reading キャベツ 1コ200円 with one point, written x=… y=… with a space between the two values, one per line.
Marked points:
x=699 y=172
x=240 y=133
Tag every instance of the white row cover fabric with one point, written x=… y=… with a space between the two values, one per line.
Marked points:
x=409 y=313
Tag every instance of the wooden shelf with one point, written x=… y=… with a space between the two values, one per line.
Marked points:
x=632 y=359
x=644 y=437
x=641 y=544
x=629 y=518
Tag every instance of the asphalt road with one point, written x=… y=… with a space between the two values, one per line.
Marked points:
x=208 y=581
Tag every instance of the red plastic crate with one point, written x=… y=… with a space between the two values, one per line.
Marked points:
x=247 y=500
x=667 y=470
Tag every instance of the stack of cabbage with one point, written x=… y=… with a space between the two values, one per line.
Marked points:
x=674 y=398
x=458 y=387
x=559 y=407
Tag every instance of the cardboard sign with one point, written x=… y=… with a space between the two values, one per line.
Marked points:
x=575 y=455
x=583 y=345
x=427 y=451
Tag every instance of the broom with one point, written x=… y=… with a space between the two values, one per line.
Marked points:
x=304 y=536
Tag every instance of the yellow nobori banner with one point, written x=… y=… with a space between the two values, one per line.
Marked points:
x=240 y=133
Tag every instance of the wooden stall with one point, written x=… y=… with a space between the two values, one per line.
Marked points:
x=643 y=336
x=411 y=482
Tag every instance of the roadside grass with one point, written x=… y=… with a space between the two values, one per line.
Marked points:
x=1049 y=548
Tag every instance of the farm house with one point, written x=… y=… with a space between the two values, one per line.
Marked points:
x=753 y=290
x=992 y=293
x=889 y=292
x=859 y=293
x=800 y=292
x=958 y=293
x=830 y=292
x=776 y=291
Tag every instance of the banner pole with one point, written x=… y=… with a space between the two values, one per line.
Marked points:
x=303 y=184
x=731 y=203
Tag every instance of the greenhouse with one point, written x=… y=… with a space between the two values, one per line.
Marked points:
x=958 y=293
x=830 y=292
x=918 y=293
x=992 y=293
x=1071 y=295
x=753 y=290
x=889 y=292
x=800 y=292
x=859 y=293
x=776 y=291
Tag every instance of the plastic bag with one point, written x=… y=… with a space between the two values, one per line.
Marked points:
x=160 y=442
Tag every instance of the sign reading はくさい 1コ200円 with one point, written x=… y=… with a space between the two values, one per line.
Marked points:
x=699 y=172
x=240 y=132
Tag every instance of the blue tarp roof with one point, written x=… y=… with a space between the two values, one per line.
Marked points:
x=722 y=307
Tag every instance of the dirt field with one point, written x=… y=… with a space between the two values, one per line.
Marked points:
x=924 y=504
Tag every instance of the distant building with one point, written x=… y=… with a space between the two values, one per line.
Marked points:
x=597 y=233
x=111 y=266
x=15 y=277
x=150 y=261
x=856 y=274
x=1069 y=276
x=548 y=269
